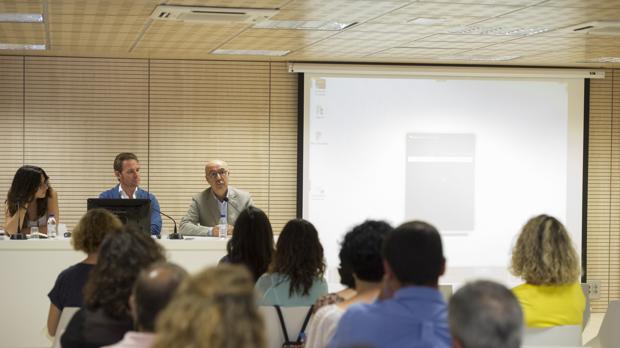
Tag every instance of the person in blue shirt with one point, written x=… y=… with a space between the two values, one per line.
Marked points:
x=411 y=311
x=127 y=171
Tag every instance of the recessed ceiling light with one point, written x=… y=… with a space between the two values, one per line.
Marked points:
x=498 y=31
x=252 y=52
x=604 y=60
x=8 y=46
x=303 y=25
x=21 y=17
x=478 y=57
x=427 y=21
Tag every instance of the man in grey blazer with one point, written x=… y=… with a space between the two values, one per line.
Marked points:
x=203 y=215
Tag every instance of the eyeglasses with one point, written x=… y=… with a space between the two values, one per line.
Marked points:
x=222 y=172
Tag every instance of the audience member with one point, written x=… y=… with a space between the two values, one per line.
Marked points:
x=485 y=314
x=151 y=293
x=412 y=312
x=252 y=243
x=361 y=251
x=213 y=309
x=545 y=258
x=87 y=236
x=295 y=276
x=105 y=317
x=346 y=279
x=207 y=207
x=30 y=200
x=127 y=172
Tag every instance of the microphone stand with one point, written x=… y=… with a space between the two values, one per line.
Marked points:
x=18 y=235
x=174 y=235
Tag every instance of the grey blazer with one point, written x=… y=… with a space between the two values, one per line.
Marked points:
x=204 y=212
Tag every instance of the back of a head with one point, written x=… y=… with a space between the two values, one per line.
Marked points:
x=252 y=241
x=361 y=250
x=485 y=314
x=415 y=253
x=299 y=255
x=544 y=253
x=152 y=292
x=92 y=228
x=215 y=308
x=121 y=258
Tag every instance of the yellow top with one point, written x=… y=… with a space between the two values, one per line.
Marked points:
x=551 y=305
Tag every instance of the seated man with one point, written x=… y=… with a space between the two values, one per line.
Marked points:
x=127 y=171
x=412 y=312
x=485 y=314
x=151 y=293
x=203 y=215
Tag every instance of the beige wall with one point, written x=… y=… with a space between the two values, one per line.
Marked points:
x=72 y=115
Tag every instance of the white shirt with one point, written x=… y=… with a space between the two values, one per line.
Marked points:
x=323 y=326
x=124 y=195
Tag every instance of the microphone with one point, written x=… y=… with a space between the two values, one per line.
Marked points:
x=230 y=204
x=174 y=235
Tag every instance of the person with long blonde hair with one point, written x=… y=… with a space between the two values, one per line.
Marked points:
x=214 y=308
x=544 y=256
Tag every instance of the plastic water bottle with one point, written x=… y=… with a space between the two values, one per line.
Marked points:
x=34 y=232
x=52 y=230
x=223 y=226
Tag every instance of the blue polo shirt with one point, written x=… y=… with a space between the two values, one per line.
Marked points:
x=417 y=316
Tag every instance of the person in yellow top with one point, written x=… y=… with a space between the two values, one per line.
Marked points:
x=545 y=258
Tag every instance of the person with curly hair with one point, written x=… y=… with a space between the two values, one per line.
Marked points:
x=295 y=276
x=545 y=258
x=87 y=236
x=30 y=200
x=252 y=243
x=106 y=316
x=213 y=309
x=361 y=251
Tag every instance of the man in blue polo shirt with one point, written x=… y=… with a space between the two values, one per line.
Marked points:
x=411 y=311
x=127 y=171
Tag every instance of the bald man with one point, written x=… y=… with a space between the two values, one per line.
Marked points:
x=203 y=215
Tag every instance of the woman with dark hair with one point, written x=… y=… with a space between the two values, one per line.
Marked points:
x=295 y=276
x=87 y=236
x=31 y=200
x=252 y=242
x=360 y=252
x=106 y=317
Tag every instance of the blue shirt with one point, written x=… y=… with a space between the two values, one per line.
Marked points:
x=417 y=316
x=114 y=193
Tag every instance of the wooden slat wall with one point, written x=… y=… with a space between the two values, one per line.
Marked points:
x=604 y=188
x=11 y=121
x=79 y=114
x=175 y=115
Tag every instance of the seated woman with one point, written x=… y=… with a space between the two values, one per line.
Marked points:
x=87 y=236
x=545 y=258
x=30 y=200
x=361 y=251
x=295 y=276
x=105 y=317
x=252 y=242
x=213 y=309
x=346 y=279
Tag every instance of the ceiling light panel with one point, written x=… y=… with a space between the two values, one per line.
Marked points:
x=22 y=47
x=251 y=52
x=21 y=17
x=303 y=25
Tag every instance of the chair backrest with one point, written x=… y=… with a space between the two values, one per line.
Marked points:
x=556 y=336
x=293 y=319
x=585 y=287
x=65 y=317
x=446 y=291
x=608 y=334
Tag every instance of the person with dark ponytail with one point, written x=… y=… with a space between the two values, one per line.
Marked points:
x=30 y=200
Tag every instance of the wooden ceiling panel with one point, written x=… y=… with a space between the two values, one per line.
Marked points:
x=22 y=33
x=419 y=52
x=78 y=8
x=22 y=6
x=339 y=11
x=445 y=9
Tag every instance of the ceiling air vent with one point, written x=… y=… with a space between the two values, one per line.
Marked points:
x=595 y=28
x=205 y=14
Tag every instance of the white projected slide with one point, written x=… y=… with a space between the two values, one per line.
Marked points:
x=475 y=157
